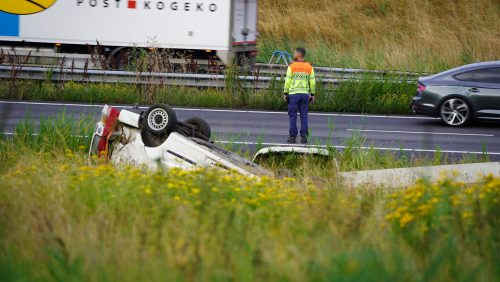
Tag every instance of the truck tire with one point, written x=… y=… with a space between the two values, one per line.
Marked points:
x=118 y=58
x=201 y=127
x=159 y=120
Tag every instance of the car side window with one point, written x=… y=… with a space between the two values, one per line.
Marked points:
x=465 y=76
x=491 y=75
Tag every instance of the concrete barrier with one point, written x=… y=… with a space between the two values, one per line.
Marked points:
x=404 y=177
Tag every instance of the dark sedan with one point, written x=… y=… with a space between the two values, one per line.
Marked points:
x=460 y=95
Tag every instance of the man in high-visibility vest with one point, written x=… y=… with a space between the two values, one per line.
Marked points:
x=300 y=87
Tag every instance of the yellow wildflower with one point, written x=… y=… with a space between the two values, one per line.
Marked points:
x=467 y=215
x=424 y=209
x=469 y=191
x=407 y=218
x=433 y=201
x=423 y=228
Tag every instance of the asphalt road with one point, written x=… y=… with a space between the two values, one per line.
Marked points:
x=411 y=134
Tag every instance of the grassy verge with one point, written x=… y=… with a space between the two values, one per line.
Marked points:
x=368 y=96
x=427 y=35
x=322 y=53
x=73 y=134
x=68 y=218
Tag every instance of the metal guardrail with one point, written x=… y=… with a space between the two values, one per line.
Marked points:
x=346 y=73
x=45 y=58
x=178 y=79
x=106 y=76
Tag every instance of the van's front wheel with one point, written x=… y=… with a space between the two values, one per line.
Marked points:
x=159 y=120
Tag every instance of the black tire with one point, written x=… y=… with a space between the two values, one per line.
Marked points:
x=151 y=140
x=159 y=120
x=201 y=127
x=118 y=59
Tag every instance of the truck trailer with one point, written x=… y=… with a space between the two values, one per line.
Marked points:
x=222 y=29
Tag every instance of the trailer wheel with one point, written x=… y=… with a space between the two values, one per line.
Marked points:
x=201 y=127
x=118 y=59
x=159 y=120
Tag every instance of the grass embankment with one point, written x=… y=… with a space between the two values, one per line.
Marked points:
x=368 y=96
x=73 y=134
x=67 y=218
x=422 y=35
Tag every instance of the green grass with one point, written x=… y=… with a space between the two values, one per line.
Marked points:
x=425 y=35
x=367 y=96
x=68 y=218
x=73 y=133
x=321 y=53
x=324 y=54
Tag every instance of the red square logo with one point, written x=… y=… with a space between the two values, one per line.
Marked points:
x=132 y=4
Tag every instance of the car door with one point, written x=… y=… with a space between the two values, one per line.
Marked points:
x=483 y=86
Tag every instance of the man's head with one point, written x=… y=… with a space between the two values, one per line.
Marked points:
x=299 y=54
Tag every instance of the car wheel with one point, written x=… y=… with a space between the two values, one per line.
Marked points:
x=455 y=112
x=151 y=140
x=159 y=120
x=201 y=127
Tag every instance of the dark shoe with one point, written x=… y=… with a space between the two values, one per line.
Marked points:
x=292 y=140
x=303 y=140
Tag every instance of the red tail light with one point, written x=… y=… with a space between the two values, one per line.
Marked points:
x=109 y=118
x=421 y=88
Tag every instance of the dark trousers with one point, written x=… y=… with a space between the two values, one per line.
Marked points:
x=298 y=103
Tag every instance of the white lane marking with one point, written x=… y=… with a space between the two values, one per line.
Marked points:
x=36 y=134
x=223 y=110
x=361 y=147
x=324 y=146
x=420 y=132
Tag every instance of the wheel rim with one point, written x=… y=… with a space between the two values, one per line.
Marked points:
x=158 y=119
x=455 y=112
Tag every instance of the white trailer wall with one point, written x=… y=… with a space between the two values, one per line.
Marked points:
x=190 y=24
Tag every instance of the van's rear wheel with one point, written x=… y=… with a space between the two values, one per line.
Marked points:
x=201 y=127
x=159 y=120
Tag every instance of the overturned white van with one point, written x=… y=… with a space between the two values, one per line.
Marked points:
x=155 y=138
